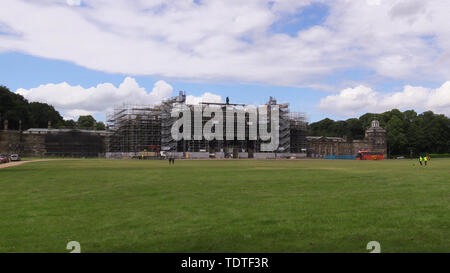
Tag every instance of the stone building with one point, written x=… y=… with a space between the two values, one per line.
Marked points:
x=54 y=142
x=374 y=141
x=136 y=127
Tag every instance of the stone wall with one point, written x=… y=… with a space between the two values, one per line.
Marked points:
x=15 y=142
x=10 y=142
x=70 y=143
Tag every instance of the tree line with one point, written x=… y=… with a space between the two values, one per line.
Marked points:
x=22 y=114
x=408 y=133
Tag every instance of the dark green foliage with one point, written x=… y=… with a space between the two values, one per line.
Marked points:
x=70 y=124
x=42 y=113
x=351 y=128
x=100 y=126
x=86 y=122
x=15 y=108
x=407 y=132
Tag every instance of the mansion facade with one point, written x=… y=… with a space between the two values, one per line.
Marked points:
x=374 y=141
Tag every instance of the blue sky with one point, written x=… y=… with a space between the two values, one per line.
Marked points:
x=18 y=70
x=326 y=58
x=301 y=19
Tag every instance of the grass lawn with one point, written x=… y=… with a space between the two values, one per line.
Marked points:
x=225 y=206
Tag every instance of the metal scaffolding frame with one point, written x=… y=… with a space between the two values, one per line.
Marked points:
x=134 y=128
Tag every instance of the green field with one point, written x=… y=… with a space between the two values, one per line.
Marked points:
x=225 y=206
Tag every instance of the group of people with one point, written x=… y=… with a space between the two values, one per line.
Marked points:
x=423 y=160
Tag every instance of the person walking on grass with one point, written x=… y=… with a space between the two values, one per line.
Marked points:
x=420 y=160
x=425 y=160
x=171 y=159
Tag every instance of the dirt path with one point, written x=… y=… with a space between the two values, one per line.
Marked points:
x=12 y=164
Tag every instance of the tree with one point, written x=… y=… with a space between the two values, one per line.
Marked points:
x=86 y=122
x=396 y=137
x=355 y=129
x=14 y=108
x=410 y=115
x=406 y=131
x=42 y=113
x=70 y=124
x=100 y=126
x=324 y=127
x=351 y=128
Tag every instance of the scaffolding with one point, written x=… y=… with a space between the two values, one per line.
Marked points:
x=167 y=121
x=134 y=128
x=298 y=131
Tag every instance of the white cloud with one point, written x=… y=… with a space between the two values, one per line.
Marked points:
x=361 y=99
x=73 y=2
x=206 y=97
x=373 y=2
x=232 y=40
x=75 y=113
x=349 y=100
x=440 y=98
x=73 y=101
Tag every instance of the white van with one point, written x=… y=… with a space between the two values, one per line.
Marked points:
x=14 y=157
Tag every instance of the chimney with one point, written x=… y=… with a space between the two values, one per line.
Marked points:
x=49 y=125
x=5 y=124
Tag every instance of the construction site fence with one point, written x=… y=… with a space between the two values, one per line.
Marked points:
x=345 y=157
x=207 y=155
